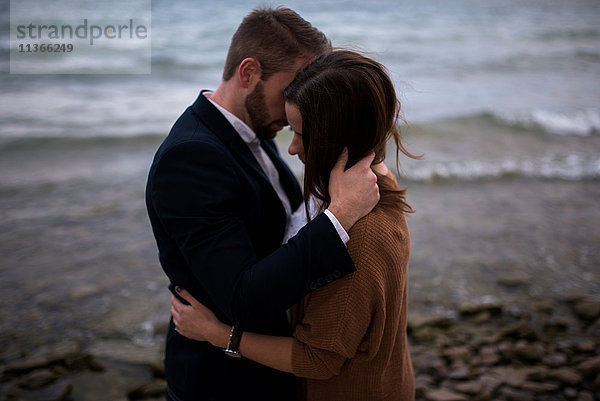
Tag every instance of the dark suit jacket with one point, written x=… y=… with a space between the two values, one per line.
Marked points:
x=218 y=224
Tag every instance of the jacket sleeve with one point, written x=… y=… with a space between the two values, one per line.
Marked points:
x=199 y=199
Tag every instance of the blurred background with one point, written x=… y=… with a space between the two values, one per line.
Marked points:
x=502 y=98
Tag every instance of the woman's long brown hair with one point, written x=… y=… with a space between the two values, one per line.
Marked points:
x=345 y=100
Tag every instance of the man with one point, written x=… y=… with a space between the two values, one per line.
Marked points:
x=219 y=198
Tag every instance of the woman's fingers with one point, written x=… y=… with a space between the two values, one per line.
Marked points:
x=183 y=293
x=176 y=304
x=177 y=309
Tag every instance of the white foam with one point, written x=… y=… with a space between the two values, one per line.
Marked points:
x=568 y=167
x=582 y=122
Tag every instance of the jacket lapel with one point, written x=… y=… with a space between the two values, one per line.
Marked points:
x=218 y=124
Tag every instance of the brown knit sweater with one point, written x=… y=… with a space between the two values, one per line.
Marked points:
x=350 y=340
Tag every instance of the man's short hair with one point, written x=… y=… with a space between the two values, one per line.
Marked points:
x=276 y=37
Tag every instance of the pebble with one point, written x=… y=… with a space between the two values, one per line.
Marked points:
x=37 y=378
x=566 y=375
x=587 y=309
x=57 y=391
x=444 y=395
x=589 y=367
x=148 y=390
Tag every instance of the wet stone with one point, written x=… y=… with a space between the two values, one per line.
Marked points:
x=586 y=346
x=126 y=351
x=481 y=317
x=428 y=362
x=494 y=307
x=521 y=330
x=570 y=392
x=555 y=360
x=596 y=383
x=566 y=376
x=11 y=353
x=38 y=378
x=558 y=323
x=112 y=384
x=422 y=383
x=539 y=388
x=459 y=371
x=512 y=394
x=552 y=396
x=489 y=355
x=444 y=395
x=420 y=320
x=589 y=367
x=469 y=387
x=585 y=396
x=587 y=309
x=149 y=390
x=489 y=384
x=460 y=353
x=515 y=279
x=424 y=334
x=57 y=391
x=84 y=362
x=538 y=373
x=544 y=305
x=532 y=352
x=512 y=376
x=43 y=357
x=83 y=291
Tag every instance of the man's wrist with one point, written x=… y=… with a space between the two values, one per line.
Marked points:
x=338 y=226
x=346 y=221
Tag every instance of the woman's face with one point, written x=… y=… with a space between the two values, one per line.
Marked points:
x=295 y=120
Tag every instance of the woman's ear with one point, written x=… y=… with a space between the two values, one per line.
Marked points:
x=249 y=72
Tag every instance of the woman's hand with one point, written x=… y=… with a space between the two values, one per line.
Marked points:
x=197 y=322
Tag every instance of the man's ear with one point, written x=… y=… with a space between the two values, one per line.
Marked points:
x=249 y=72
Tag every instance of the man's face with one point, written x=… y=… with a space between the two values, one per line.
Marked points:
x=266 y=105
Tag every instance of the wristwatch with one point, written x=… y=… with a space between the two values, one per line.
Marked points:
x=233 y=346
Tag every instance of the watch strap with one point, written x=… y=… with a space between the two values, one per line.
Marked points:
x=233 y=346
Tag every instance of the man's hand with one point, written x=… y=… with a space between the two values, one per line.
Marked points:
x=354 y=192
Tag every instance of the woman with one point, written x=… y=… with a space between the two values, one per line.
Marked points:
x=349 y=341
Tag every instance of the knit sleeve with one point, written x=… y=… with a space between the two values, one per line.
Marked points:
x=338 y=316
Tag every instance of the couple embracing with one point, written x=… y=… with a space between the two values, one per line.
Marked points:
x=278 y=293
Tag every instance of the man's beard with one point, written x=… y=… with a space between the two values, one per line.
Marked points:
x=257 y=110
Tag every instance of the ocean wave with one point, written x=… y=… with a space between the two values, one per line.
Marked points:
x=583 y=122
x=585 y=33
x=566 y=167
x=588 y=55
x=579 y=123
x=57 y=142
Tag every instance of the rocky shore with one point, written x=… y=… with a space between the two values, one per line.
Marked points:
x=545 y=350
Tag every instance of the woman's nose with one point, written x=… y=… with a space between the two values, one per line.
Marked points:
x=294 y=147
